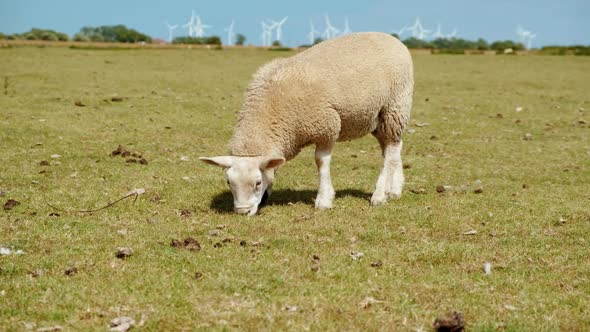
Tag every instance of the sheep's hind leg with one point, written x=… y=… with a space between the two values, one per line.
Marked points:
x=325 y=198
x=395 y=186
x=391 y=179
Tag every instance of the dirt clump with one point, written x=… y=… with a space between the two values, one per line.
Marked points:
x=123 y=252
x=185 y=213
x=377 y=263
x=452 y=322
x=71 y=271
x=189 y=243
x=10 y=204
x=130 y=157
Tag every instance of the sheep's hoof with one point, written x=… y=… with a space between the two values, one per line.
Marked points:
x=323 y=204
x=378 y=200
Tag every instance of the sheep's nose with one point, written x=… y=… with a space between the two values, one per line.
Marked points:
x=242 y=210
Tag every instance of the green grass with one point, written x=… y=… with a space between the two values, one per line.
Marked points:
x=541 y=272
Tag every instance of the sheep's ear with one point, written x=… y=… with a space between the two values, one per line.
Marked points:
x=271 y=162
x=221 y=161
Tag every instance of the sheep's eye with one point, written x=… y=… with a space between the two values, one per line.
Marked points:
x=227 y=182
x=258 y=183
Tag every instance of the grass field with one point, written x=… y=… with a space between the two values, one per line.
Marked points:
x=423 y=254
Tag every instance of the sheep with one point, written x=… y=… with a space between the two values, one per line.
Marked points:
x=337 y=90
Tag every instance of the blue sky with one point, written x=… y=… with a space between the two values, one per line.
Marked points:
x=562 y=22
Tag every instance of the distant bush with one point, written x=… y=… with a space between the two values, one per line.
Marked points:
x=448 y=51
x=566 y=50
x=413 y=42
x=212 y=40
x=38 y=34
x=458 y=45
x=502 y=45
x=240 y=39
x=280 y=49
x=111 y=33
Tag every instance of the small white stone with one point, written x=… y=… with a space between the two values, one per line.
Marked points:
x=122 y=324
x=55 y=156
x=356 y=255
x=518 y=109
x=290 y=308
x=137 y=191
x=509 y=307
x=487 y=268
x=184 y=158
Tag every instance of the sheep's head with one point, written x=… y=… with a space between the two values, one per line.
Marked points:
x=249 y=179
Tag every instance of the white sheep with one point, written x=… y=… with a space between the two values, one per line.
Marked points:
x=338 y=90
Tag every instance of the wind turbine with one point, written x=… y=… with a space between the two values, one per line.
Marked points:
x=530 y=43
x=278 y=25
x=312 y=33
x=346 y=30
x=525 y=36
x=438 y=34
x=230 y=32
x=199 y=28
x=418 y=30
x=267 y=33
x=190 y=24
x=170 y=28
x=330 y=31
x=452 y=34
x=402 y=30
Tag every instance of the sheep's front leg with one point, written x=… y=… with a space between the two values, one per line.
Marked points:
x=391 y=179
x=325 y=198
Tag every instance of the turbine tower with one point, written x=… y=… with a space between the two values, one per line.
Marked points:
x=330 y=31
x=171 y=29
x=267 y=33
x=279 y=25
x=438 y=34
x=199 y=28
x=346 y=30
x=530 y=43
x=190 y=24
x=230 y=33
x=526 y=37
x=452 y=34
x=312 y=33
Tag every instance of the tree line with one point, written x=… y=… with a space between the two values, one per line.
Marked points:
x=122 y=34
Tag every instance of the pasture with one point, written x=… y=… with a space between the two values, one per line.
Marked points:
x=517 y=195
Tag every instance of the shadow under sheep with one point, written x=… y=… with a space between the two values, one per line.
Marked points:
x=223 y=202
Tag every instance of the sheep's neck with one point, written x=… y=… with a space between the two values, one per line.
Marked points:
x=252 y=138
